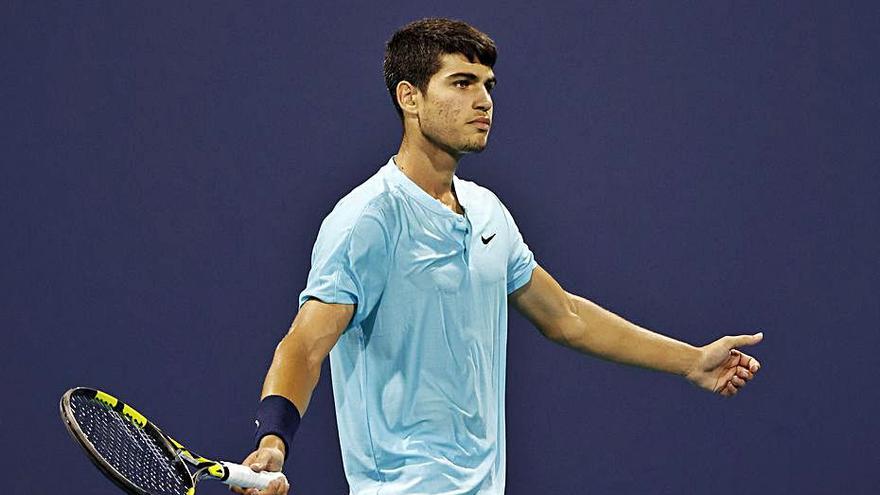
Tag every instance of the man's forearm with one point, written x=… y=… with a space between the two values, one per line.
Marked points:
x=294 y=372
x=296 y=365
x=597 y=331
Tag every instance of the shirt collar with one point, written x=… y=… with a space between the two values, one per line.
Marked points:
x=413 y=190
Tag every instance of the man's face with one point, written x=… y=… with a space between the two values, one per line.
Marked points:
x=457 y=108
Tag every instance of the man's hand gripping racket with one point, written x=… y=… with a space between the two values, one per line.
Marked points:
x=266 y=458
x=136 y=455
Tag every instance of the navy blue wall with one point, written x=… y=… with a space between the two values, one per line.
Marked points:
x=701 y=168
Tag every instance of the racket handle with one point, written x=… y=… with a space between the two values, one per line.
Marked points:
x=245 y=477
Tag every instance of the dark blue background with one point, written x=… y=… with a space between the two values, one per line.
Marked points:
x=701 y=168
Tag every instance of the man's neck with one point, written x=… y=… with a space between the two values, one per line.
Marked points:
x=431 y=169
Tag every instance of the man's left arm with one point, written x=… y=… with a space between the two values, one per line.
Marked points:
x=582 y=325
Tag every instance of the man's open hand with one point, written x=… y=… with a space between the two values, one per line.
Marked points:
x=723 y=369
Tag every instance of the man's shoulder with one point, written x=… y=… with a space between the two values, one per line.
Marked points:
x=367 y=199
x=476 y=194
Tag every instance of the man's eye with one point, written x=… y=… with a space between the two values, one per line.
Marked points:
x=462 y=84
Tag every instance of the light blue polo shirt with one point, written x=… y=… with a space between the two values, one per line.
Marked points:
x=419 y=374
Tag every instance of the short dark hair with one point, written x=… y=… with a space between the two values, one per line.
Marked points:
x=413 y=52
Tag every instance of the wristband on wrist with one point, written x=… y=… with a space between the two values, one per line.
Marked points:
x=276 y=415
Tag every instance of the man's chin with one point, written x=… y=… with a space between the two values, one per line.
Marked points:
x=474 y=147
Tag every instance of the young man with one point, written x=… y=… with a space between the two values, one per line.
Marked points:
x=411 y=276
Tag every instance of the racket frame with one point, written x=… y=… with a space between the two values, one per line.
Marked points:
x=179 y=454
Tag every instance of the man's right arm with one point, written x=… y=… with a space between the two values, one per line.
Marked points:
x=296 y=366
x=295 y=370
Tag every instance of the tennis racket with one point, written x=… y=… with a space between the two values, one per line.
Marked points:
x=136 y=455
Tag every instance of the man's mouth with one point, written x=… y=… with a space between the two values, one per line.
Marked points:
x=482 y=123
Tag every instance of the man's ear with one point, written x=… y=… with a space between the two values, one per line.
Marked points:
x=408 y=97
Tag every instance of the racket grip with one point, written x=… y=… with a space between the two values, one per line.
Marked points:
x=245 y=477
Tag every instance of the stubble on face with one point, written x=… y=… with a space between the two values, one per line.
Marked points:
x=442 y=125
x=449 y=109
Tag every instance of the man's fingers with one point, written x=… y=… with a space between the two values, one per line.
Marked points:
x=275 y=487
x=754 y=365
x=729 y=373
x=748 y=362
x=745 y=340
x=730 y=389
x=272 y=489
x=260 y=461
x=249 y=459
x=744 y=373
x=737 y=381
x=742 y=359
x=733 y=359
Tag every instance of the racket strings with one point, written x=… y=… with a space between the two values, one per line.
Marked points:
x=145 y=440
x=136 y=455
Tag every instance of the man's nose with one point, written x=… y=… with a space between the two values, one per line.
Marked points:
x=484 y=102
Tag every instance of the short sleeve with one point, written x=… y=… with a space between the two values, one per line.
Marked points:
x=520 y=262
x=349 y=263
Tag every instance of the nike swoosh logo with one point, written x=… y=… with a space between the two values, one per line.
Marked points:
x=487 y=239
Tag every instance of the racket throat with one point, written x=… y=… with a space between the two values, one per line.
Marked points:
x=204 y=467
x=214 y=470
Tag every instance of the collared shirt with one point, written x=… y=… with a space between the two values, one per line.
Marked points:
x=419 y=373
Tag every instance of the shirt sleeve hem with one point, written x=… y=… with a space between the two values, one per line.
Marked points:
x=337 y=298
x=523 y=278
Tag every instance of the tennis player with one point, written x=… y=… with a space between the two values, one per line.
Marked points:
x=412 y=273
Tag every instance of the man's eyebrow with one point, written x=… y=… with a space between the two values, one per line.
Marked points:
x=470 y=76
